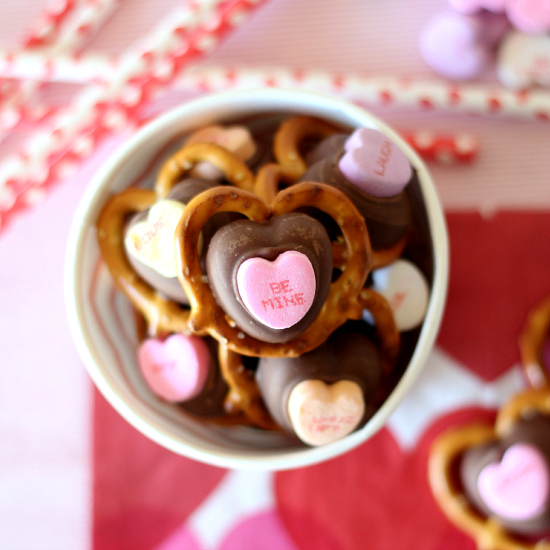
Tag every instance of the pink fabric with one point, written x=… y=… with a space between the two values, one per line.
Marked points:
x=72 y=467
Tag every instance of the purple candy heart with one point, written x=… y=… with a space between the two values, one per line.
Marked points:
x=451 y=45
x=375 y=164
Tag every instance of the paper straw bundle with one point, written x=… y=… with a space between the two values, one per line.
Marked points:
x=74 y=132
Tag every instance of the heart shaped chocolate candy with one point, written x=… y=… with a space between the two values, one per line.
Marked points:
x=510 y=479
x=372 y=172
x=272 y=278
x=149 y=238
x=323 y=395
x=184 y=369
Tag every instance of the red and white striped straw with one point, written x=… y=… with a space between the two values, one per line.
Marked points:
x=101 y=110
x=49 y=23
x=477 y=99
x=85 y=19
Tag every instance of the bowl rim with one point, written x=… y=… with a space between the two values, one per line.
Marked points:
x=217 y=104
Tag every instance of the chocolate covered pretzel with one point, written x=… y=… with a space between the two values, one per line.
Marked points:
x=493 y=482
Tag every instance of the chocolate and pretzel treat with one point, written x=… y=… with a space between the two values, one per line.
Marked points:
x=249 y=261
x=509 y=479
x=325 y=394
x=371 y=170
x=493 y=481
x=272 y=278
x=184 y=370
x=149 y=237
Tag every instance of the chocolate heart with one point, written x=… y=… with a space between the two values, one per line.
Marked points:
x=294 y=249
x=305 y=396
x=154 y=229
x=387 y=218
x=510 y=479
x=184 y=370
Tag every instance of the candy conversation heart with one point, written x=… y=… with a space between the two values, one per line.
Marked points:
x=518 y=487
x=509 y=478
x=277 y=293
x=171 y=208
x=407 y=292
x=524 y=60
x=175 y=369
x=325 y=394
x=322 y=413
x=294 y=254
x=375 y=164
x=152 y=241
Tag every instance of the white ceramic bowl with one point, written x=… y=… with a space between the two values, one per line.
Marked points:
x=102 y=322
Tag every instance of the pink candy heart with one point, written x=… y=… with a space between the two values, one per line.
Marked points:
x=277 y=293
x=375 y=164
x=518 y=487
x=175 y=369
x=452 y=45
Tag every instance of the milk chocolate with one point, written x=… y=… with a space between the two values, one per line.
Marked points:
x=244 y=240
x=350 y=356
x=515 y=490
x=210 y=402
x=387 y=218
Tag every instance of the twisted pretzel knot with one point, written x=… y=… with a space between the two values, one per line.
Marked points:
x=286 y=146
x=341 y=303
x=162 y=315
x=447 y=449
x=181 y=162
x=243 y=395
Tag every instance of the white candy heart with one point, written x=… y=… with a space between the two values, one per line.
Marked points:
x=152 y=241
x=524 y=60
x=321 y=413
x=407 y=291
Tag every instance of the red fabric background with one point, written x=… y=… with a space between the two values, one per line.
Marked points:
x=377 y=494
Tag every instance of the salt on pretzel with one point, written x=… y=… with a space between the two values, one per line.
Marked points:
x=447 y=450
x=266 y=187
x=244 y=395
x=531 y=342
x=286 y=146
x=162 y=315
x=181 y=162
x=342 y=302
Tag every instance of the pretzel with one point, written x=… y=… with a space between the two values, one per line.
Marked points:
x=181 y=162
x=386 y=329
x=531 y=342
x=267 y=186
x=243 y=395
x=162 y=315
x=445 y=454
x=291 y=133
x=342 y=300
